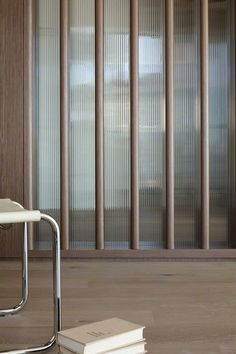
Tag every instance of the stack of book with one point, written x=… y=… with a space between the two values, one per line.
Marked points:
x=113 y=336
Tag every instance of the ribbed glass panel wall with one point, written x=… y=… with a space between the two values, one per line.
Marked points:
x=82 y=124
x=47 y=115
x=151 y=123
x=117 y=123
x=221 y=120
x=187 y=122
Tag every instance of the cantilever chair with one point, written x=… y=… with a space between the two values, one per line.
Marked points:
x=11 y=213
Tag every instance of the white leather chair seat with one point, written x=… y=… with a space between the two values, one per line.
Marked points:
x=11 y=213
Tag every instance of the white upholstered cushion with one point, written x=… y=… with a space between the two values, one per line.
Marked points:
x=11 y=213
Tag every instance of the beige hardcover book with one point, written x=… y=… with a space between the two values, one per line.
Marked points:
x=100 y=337
x=136 y=348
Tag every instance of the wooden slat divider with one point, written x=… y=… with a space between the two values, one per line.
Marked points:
x=29 y=148
x=99 y=121
x=64 y=121
x=204 y=125
x=134 y=113
x=169 y=55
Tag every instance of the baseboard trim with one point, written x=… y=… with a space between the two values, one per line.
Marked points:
x=141 y=254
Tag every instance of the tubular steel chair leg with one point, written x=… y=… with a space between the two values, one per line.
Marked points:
x=25 y=279
x=56 y=291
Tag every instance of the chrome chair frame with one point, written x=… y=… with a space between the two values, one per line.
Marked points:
x=25 y=287
x=25 y=279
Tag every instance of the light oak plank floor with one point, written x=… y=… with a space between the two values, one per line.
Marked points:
x=187 y=307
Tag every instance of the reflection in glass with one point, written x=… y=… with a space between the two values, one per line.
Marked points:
x=186 y=116
x=151 y=123
x=47 y=115
x=82 y=124
x=116 y=124
x=221 y=120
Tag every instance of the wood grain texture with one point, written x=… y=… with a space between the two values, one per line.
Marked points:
x=187 y=307
x=160 y=254
x=233 y=126
x=11 y=115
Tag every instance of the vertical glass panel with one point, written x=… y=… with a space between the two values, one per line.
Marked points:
x=186 y=116
x=221 y=120
x=82 y=123
x=117 y=123
x=47 y=115
x=152 y=123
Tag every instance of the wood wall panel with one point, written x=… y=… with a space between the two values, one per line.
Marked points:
x=11 y=115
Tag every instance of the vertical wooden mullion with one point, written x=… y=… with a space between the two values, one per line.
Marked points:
x=99 y=164
x=233 y=209
x=134 y=112
x=204 y=125
x=64 y=121
x=232 y=132
x=29 y=149
x=169 y=44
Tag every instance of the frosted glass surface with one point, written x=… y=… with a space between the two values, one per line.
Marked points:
x=152 y=134
x=151 y=123
x=117 y=123
x=47 y=115
x=186 y=119
x=82 y=124
x=221 y=120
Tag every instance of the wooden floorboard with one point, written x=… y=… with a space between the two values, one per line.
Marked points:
x=187 y=307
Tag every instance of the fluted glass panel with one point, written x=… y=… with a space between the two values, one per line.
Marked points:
x=117 y=123
x=82 y=124
x=221 y=120
x=151 y=123
x=186 y=117
x=47 y=115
